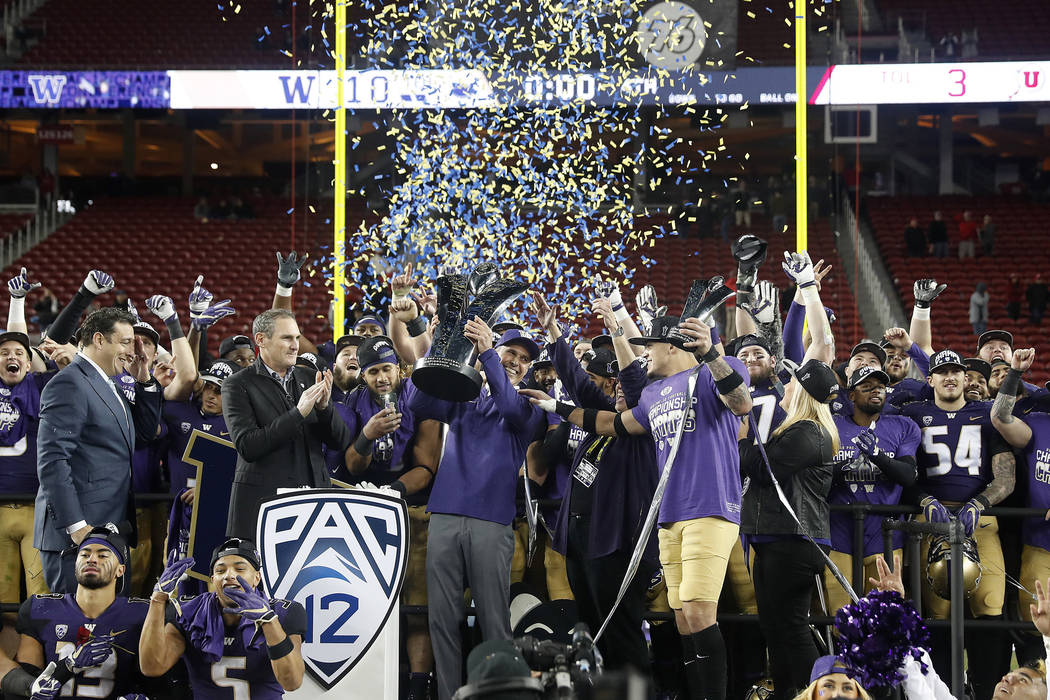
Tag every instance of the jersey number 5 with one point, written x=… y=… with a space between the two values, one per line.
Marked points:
x=967 y=451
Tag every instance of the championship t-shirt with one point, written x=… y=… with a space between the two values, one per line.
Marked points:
x=19 y=421
x=1037 y=461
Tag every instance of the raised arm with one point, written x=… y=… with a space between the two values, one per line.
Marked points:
x=925 y=291
x=732 y=385
x=288 y=274
x=182 y=356
x=608 y=423
x=800 y=269
x=97 y=282
x=19 y=287
x=625 y=327
x=514 y=409
x=1014 y=430
x=626 y=353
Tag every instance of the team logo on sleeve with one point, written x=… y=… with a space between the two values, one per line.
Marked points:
x=60 y=631
x=341 y=554
x=927 y=420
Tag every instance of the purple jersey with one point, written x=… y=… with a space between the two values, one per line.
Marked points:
x=557 y=481
x=857 y=480
x=907 y=391
x=705 y=480
x=57 y=622
x=242 y=672
x=769 y=414
x=19 y=421
x=955 y=454
x=145 y=460
x=181 y=418
x=1037 y=459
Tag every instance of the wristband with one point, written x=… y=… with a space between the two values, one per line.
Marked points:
x=921 y=313
x=619 y=427
x=63 y=672
x=18 y=306
x=564 y=409
x=621 y=314
x=281 y=649
x=729 y=382
x=363 y=445
x=429 y=469
x=590 y=420
x=710 y=356
x=417 y=326
x=982 y=501
x=174 y=328
x=1011 y=385
x=400 y=487
x=283 y=291
x=807 y=285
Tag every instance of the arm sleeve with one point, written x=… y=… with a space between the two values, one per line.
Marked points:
x=633 y=379
x=255 y=441
x=574 y=378
x=900 y=470
x=145 y=413
x=514 y=407
x=66 y=321
x=920 y=358
x=793 y=348
x=204 y=358
x=63 y=414
x=554 y=443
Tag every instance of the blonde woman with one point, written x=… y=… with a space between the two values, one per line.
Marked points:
x=786 y=564
x=832 y=678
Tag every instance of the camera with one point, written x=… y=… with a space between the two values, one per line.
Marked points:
x=566 y=670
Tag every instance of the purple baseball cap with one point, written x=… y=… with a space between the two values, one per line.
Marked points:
x=516 y=337
x=827 y=665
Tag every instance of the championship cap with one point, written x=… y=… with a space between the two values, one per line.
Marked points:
x=373 y=319
x=601 y=361
x=377 y=350
x=218 y=372
x=988 y=336
x=504 y=326
x=311 y=361
x=601 y=341
x=746 y=341
x=235 y=342
x=516 y=337
x=347 y=341
x=242 y=548
x=946 y=359
x=976 y=364
x=21 y=338
x=869 y=346
x=143 y=328
x=661 y=326
x=544 y=360
x=863 y=374
x=818 y=380
x=827 y=665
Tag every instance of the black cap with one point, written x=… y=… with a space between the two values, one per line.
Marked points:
x=240 y=547
x=143 y=328
x=22 y=338
x=863 y=374
x=745 y=341
x=235 y=342
x=496 y=658
x=946 y=359
x=219 y=371
x=661 y=326
x=998 y=361
x=504 y=326
x=818 y=380
x=601 y=361
x=346 y=341
x=373 y=319
x=988 y=336
x=976 y=364
x=376 y=350
x=311 y=361
x=110 y=537
x=544 y=360
x=869 y=346
x=601 y=341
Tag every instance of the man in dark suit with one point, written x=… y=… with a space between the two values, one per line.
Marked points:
x=85 y=442
x=278 y=416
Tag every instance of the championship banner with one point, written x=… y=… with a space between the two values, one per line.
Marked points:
x=342 y=556
x=216 y=461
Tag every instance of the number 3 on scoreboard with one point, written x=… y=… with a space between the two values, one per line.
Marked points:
x=958 y=78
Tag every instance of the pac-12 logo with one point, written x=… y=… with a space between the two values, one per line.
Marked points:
x=341 y=554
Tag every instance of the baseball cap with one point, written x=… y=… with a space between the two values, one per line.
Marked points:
x=22 y=338
x=946 y=359
x=376 y=351
x=234 y=342
x=602 y=362
x=241 y=547
x=998 y=361
x=746 y=341
x=864 y=373
x=514 y=337
x=544 y=360
x=346 y=341
x=988 y=336
x=143 y=328
x=827 y=665
x=504 y=326
x=869 y=346
x=601 y=341
x=112 y=541
x=818 y=380
x=370 y=318
x=310 y=360
x=218 y=372
x=658 y=330
x=976 y=364
x=496 y=658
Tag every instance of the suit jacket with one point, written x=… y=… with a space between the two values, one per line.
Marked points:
x=84 y=448
x=276 y=446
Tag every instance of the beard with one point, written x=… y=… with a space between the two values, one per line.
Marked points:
x=93 y=581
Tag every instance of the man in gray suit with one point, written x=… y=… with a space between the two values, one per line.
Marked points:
x=85 y=442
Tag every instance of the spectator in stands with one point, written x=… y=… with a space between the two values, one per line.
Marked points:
x=1036 y=295
x=220 y=211
x=915 y=239
x=949 y=44
x=200 y=210
x=987 y=234
x=46 y=308
x=969 y=43
x=979 y=308
x=938 y=236
x=967 y=235
x=778 y=209
x=120 y=300
x=1014 y=295
x=242 y=209
x=742 y=205
x=46 y=188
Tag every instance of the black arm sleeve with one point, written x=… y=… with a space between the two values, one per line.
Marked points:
x=204 y=360
x=18 y=682
x=62 y=329
x=554 y=443
x=902 y=471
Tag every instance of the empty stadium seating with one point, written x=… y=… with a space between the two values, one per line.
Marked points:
x=1020 y=247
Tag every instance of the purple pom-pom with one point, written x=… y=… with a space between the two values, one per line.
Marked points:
x=876 y=635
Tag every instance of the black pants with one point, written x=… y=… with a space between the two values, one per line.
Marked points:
x=595 y=583
x=784 y=575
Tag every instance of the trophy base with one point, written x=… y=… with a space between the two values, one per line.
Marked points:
x=447 y=379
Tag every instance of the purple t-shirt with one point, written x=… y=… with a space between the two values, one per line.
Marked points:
x=1037 y=459
x=19 y=420
x=705 y=480
x=145 y=460
x=181 y=418
x=857 y=480
x=955 y=454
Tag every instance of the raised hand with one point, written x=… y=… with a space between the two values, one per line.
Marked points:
x=289 y=269
x=766 y=300
x=610 y=291
x=310 y=398
x=216 y=312
x=403 y=309
x=925 y=291
x=383 y=423
x=648 y=306
x=250 y=603
x=888 y=580
x=164 y=372
x=799 y=268
x=1023 y=359
x=899 y=338
x=1041 y=608
x=200 y=298
x=478 y=332
x=176 y=570
x=820 y=271
x=546 y=315
x=162 y=307
x=98 y=282
x=700 y=332
x=139 y=367
x=867 y=443
x=46 y=686
x=603 y=308
x=402 y=285
x=19 y=285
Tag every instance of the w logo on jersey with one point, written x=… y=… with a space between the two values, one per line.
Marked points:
x=341 y=554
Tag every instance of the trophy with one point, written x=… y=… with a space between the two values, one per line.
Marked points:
x=749 y=252
x=704 y=298
x=448 y=371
